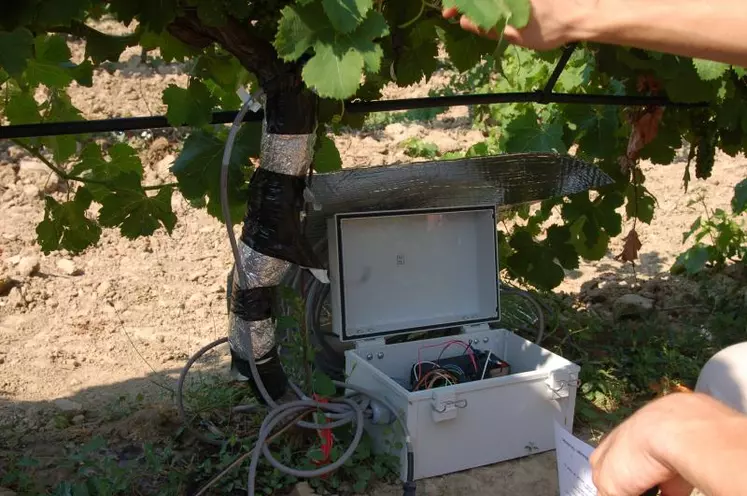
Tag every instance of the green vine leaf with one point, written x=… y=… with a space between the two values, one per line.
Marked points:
x=465 y=49
x=133 y=211
x=122 y=160
x=489 y=14
x=65 y=225
x=334 y=74
x=417 y=59
x=172 y=50
x=192 y=106
x=101 y=47
x=327 y=156
x=640 y=205
x=709 y=70
x=346 y=15
x=22 y=108
x=16 y=49
x=197 y=169
x=693 y=260
x=533 y=261
x=339 y=59
x=61 y=109
x=527 y=133
x=739 y=202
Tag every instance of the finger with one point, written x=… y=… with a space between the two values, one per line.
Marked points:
x=676 y=487
x=468 y=25
x=450 y=12
x=512 y=35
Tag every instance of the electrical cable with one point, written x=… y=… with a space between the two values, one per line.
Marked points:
x=345 y=410
x=485 y=368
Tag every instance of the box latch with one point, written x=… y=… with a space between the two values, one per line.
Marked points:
x=445 y=404
x=560 y=382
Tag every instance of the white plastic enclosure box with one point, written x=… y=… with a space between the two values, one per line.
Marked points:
x=417 y=271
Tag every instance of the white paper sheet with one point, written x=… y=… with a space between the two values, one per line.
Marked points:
x=574 y=469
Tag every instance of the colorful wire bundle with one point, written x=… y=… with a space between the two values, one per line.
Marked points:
x=431 y=378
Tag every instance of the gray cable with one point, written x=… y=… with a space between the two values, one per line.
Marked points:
x=345 y=408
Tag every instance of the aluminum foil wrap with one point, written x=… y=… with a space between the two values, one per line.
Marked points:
x=261 y=270
x=498 y=180
x=287 y=153
x=262 y=333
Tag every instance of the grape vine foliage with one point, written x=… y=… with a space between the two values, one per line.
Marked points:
x=335 y=50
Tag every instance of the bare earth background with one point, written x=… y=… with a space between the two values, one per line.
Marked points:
x=103 y=327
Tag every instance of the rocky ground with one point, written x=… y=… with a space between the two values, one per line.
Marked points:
x=114 y=325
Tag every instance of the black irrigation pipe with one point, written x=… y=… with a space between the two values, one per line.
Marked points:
x=356 y=107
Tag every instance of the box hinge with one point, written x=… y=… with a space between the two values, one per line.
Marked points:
x=370 y=343
x=445 y=404
x=560 y=383
x=476 y=328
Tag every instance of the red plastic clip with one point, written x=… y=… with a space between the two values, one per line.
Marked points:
x=326 y=437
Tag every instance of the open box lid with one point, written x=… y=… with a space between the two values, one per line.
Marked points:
x=398 y=272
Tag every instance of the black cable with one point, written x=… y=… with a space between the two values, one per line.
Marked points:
x=355 y=107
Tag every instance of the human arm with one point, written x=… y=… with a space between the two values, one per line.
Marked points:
x=714 y=29
x=676 y=442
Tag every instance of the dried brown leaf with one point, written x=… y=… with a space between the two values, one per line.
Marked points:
x=630 y=248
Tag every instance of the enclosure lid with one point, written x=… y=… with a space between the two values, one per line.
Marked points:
x=415 y=270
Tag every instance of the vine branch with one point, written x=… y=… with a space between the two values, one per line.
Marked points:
x=71 y=177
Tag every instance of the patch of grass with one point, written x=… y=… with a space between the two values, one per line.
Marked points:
x=380 y=120
x=416 y=147
x=626 y=363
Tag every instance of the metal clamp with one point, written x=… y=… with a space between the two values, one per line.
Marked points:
x=561 y=383
x=445 y=404
x=450 y=404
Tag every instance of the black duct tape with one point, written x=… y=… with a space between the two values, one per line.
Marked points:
x=253 y=303
x=272 y=225
x=290 y=108
x=270 y=371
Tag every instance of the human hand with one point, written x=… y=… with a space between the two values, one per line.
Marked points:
x=647 y=449
x=552 y=24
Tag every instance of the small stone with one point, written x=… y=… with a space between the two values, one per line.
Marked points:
x=28 y=266
x=632 y=305
x=302 y=489
x=2 y=360
x=196 y=299
x=15 y=298
x=68 y=267
x=66 y=405
x=32 y=165
x=103 y=288
x=78 y=419
x=161 y=339
x=14 y=260
x=31 y=191
x=196 y=275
